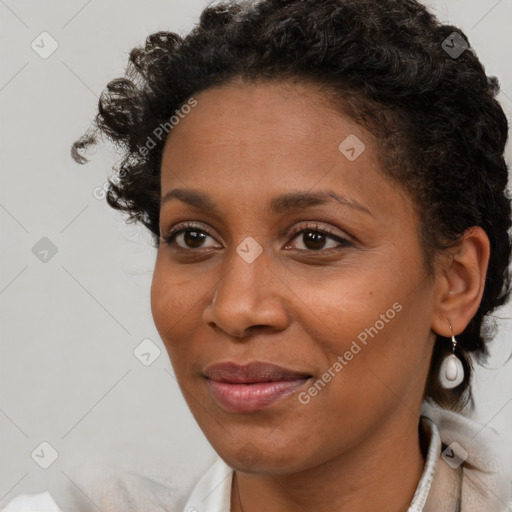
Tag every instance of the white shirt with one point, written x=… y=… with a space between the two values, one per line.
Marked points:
x=462 y=477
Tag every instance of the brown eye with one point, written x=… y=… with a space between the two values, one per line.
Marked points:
x=314 y=239
x=187 y=237
x=193 y=238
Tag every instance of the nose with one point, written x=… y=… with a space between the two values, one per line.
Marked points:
x=249 y=297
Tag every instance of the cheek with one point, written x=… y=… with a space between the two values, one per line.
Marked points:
x=171 y=294
x=161 y=299
x=377 y=324
x=379 y=358
x=350 y=304
x=168 y=302
x=177 y=304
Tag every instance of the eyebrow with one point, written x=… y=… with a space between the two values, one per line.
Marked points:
x=278 y=205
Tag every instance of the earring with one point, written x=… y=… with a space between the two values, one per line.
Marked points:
x=452 y=371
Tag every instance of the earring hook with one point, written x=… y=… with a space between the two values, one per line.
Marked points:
x=454 y=341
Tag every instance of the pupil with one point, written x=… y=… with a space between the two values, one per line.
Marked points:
x=317 y=239
x=312 y=240
x=194 y=238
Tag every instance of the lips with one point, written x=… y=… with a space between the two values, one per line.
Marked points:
x=252 y=387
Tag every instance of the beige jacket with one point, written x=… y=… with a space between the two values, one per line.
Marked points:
x=482 y=482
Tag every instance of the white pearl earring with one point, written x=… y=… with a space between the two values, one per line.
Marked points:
x=452 y=372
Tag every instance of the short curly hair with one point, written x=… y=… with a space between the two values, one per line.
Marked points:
x=441 y=133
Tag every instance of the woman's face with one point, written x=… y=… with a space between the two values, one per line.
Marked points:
x=300 y=254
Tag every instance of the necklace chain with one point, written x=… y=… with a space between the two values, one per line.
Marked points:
x=238 y=492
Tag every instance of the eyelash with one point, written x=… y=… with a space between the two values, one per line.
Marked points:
x=188 y=226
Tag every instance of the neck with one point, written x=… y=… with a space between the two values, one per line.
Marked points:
x=380 y=473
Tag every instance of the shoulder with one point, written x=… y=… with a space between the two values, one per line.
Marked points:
x=106 y=488
x=32 y=503
x=471 y=456
x=212 y=493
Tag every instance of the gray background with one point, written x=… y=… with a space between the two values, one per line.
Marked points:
x=68 y=375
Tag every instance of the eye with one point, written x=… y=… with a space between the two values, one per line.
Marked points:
x=187 y=236
x=316 y=239
x=190 y=236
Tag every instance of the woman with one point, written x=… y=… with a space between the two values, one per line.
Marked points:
x=326 y=188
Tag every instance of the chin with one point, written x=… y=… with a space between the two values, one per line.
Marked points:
x=269 y=460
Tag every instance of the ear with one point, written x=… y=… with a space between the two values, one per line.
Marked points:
x=460 y=280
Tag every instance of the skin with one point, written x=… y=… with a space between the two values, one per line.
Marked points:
x=355 y=446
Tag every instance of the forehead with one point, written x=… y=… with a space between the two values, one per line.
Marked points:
x=255 y=114
x=256 y=138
